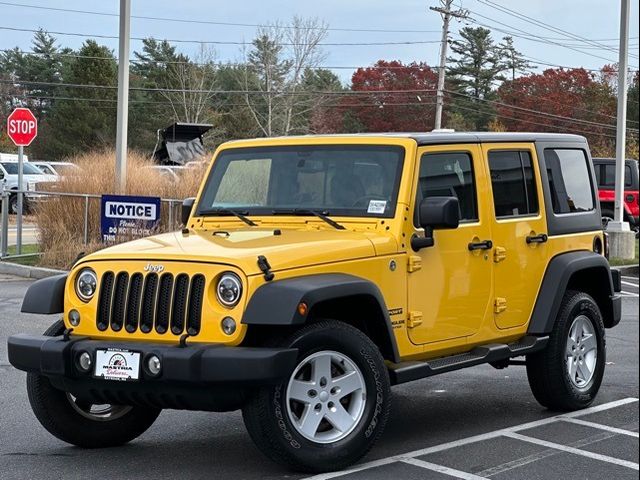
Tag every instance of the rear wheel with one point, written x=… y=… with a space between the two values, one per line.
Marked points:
x=607 y=216
x=568 y=373
x=80 y=422
x=331 y=409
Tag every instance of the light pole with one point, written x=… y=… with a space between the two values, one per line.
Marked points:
x=123 y=96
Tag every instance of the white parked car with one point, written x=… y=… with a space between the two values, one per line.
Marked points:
x=32 y=175
x=58 y=169
x=171 y=173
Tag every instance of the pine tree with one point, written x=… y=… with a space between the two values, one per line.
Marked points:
x=475 y=71
x=512 y=58
x=89 y=121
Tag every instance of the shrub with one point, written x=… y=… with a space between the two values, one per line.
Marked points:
x=60 y=220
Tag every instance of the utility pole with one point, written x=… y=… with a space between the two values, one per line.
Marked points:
x=123 y=96
x=446 y=13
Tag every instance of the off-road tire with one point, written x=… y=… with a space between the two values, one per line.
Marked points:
x=270 y=427
x=13 y=204
x=54 y=411
x=547 y=370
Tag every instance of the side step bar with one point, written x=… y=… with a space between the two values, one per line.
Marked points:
x=409 y=371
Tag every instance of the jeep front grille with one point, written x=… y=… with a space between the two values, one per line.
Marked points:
x=150 y=302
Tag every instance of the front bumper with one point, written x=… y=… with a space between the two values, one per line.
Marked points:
x=196 y=376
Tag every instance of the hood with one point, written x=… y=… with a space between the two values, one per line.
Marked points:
x=290 y=248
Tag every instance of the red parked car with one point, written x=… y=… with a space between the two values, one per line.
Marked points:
x=605 y=173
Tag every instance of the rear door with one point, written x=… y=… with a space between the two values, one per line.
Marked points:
x=519 y=231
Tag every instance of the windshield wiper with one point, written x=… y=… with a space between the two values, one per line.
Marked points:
x=229 y=211
x=303 y=211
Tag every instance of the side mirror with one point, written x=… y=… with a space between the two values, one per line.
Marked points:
x=187 y=207
x=435 y=213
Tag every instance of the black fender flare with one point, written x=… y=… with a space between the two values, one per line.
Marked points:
x=45 y=296
x=559 y=273
x=276 y=303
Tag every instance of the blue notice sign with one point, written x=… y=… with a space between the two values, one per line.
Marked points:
x=124 y=217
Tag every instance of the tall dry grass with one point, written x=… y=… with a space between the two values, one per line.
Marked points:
x=60 y=220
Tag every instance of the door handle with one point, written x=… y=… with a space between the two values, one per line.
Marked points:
x=542 y=238
x=484 y=245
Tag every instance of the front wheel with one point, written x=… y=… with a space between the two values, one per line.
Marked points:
x=79 y=422
x=567 y=374
x=332 y=408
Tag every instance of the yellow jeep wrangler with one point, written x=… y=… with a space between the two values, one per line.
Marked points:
x=313 y=273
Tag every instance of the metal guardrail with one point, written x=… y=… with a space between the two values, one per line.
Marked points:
x=86 y=197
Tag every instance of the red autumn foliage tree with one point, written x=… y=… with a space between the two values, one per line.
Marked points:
x=588 y=102
x=388 y=107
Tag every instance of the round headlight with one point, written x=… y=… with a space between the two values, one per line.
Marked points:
x=86 y=284
x=229 y=289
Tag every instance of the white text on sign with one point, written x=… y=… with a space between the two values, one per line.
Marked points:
x=21 y=126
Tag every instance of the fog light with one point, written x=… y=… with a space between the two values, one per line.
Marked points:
x=74 y=318
x=228 y=325
x=84 y=362
x=154 y=365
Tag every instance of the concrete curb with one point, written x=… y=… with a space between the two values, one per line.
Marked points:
x=26 y=271
x=628 y=269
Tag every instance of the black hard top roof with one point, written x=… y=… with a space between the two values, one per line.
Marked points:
x=443 y=137
x=431 y=138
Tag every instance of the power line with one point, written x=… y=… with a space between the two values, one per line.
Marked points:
x=230 y=92
x=226 y=64
x=227 y=42
x=538 y=112
x=381 y=104
x=210 y=22
x=528 y=36
x=544 y=25
x=225 y=104
x=545 y=125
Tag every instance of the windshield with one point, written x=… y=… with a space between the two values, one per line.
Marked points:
x=27 y=169
x=337 y=180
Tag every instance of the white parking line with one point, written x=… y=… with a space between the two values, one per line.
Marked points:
x=628 y=294
x=629 y=283
x=599 y=426
x=575 y=451
x=442 y=469
x=476 y=438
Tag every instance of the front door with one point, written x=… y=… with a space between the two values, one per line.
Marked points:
x=450 y=283
x=519 y=232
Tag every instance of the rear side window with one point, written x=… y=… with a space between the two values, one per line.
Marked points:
x=450 y=175
x=513 y=183
x=569 y=180
x=608 y=176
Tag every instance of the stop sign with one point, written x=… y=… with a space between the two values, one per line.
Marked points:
x=22 y=127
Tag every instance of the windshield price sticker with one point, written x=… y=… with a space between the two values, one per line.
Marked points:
x=377 y=206
x=124 y=217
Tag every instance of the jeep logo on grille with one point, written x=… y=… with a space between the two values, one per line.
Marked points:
x=154 y=268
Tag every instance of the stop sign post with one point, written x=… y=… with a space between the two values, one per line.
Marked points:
x=22 y=129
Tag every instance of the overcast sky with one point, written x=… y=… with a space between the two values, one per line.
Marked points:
x=593 y=19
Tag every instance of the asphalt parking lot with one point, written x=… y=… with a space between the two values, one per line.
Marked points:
x=475 y=423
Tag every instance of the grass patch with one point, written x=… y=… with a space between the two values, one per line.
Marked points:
x=26 y=249
x=617 y=262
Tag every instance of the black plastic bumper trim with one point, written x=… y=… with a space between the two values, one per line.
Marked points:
x=196 y=364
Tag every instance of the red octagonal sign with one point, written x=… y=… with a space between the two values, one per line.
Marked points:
x=22 y=127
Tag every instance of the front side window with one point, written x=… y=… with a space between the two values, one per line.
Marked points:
x=450 y=175
x=513 y=183
x=344 y=180
x=569 y=180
